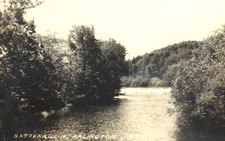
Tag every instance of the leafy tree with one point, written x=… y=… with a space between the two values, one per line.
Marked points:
x=100 y=64
x=88 y=56
x=198 y=91
x=115 y=65
x=63 y=60
x=25 y=66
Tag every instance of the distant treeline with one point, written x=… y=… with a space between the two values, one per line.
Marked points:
x=159 y=67
x=40 y=73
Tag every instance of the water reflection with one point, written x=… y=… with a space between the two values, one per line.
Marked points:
x=141 y=114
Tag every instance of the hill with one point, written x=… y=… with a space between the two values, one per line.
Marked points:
x=159 y=67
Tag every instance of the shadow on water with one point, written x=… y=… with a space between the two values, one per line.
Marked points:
x=78 y=119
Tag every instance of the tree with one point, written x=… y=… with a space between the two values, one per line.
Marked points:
x=115 y=65
x=25 y=66
x=62 y=58
x=199 y=92
x=100 y=64
x=88 y=56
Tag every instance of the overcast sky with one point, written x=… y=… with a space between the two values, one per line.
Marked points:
x=140 y=25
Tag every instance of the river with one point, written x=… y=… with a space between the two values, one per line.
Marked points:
x=139 y=115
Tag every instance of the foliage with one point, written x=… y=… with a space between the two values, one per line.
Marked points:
x=63 y=60
x=100 y=64
x=88 y=58
x=25 y=66
x=114 y=63
x=40 y=73
x=160 y=65
x=199 y=90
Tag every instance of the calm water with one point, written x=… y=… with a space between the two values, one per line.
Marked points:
x=139 y=115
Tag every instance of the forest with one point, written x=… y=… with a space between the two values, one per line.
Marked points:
x=158 y=69
x=41 y=73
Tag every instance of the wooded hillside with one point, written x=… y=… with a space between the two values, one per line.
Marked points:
x=159 y=67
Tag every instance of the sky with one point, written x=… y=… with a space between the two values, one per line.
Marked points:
x=142 y=26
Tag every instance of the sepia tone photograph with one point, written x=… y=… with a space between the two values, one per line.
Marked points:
x=112 y=70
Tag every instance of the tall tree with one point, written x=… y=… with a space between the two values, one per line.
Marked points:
x=115 y=65
x=88 y=57
x=26 y=67
x=65 y=67
x=199 y=88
